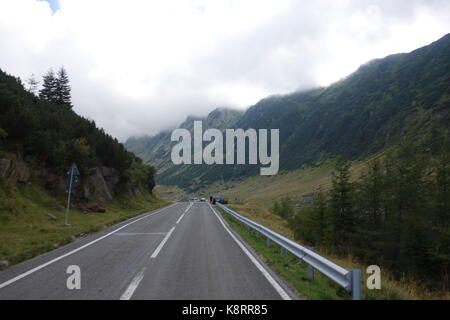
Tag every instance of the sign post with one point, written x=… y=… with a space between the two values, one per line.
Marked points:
x=71 y=184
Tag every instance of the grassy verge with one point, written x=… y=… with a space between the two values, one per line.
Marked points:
x=27 y=230
x=294 y=271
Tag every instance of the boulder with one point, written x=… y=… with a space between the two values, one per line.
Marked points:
x=51 y=217
x=4 y=263
x=95 y=207
x=83 y=208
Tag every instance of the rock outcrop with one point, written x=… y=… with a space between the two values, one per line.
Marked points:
x=100 y=186
x=96 y=186
x=15 y=170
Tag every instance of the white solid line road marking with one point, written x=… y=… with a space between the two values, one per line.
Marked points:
x=139 y=233
x=265 y=273
x=181 y=217
x=158 y=249
x=133 y=285
x=23 y=275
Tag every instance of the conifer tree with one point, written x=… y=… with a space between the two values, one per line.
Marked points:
x=32 y=84
x=63 y=89
x=48 y=91
x=341 y=205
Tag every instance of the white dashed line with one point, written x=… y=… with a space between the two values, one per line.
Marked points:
x=133 y=286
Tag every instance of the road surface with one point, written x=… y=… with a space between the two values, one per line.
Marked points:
x=183 y=251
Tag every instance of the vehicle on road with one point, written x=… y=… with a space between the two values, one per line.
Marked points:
x=219 y=200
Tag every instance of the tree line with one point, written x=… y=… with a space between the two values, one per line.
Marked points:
x=396 y=215
x=55 y=87
x=42 y=126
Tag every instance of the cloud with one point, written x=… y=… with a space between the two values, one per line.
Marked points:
x=140 y=66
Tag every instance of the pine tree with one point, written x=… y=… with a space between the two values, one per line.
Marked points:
x=32 y=84
x=341 y=205
x=48 y=91
x=320 y=219
x=63 y=89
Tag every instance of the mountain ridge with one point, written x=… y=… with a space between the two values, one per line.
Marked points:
x=365 y=112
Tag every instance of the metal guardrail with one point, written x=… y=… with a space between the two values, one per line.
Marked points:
x=350 y=280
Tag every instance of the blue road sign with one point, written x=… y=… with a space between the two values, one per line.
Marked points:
x=72 y=180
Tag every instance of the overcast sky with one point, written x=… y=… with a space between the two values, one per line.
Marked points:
x=140 y=66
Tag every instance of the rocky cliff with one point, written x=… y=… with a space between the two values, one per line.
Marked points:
x=101 y=185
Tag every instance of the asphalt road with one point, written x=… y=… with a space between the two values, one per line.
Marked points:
x=184 y=251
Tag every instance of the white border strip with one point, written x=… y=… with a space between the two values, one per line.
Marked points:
x=23 y=275
x=265 y=273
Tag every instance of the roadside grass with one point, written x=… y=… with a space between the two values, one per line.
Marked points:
x=294 y=271
x=26 y=230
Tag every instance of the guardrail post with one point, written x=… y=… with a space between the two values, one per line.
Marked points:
x=268 y=242
x=356 y=284
x=282 y=249
x=310 y=272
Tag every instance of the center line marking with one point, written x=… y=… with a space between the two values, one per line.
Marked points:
x=133 y=285
x=158 y=249
x=181 y=217
x=23 y=275
x=189 y=206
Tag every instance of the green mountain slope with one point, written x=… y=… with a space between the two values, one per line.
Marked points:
x=156 y=149
x=402 y=94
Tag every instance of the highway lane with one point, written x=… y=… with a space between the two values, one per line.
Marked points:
x=184 y=251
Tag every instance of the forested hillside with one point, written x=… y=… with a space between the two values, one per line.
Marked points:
x=41 y=136
x=385 y=99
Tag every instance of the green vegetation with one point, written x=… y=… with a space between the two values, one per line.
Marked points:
x=289 y=267
x=357 y=117
x=395 y=216
x=56 y=89
x=40 y=136
x=283 y=208
x=46 y=129
x=31 y=219
x=294 y=271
